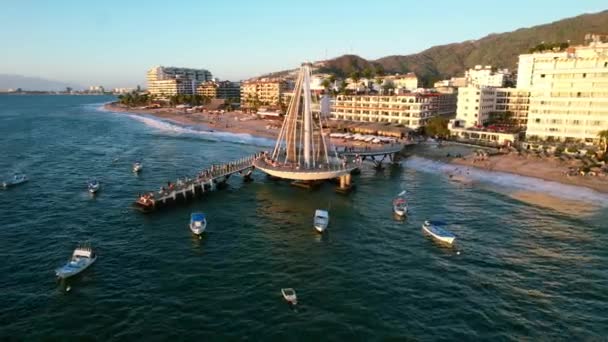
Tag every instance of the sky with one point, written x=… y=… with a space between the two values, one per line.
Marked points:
x=112 y=43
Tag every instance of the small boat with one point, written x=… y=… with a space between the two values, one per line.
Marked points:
x=94 y=186
x=290 y=296
x=400 y=204
x=321 y=220
x=18 y=178
x=137 y=166
x=82 y=258
x=434 y=228
x=198 y=223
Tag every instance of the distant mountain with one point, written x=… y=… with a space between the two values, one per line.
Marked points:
x=8 y=81
x=499 y=50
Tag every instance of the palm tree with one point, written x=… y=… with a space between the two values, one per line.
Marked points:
x=603 y=135
x=355 y=76
x=326 y=84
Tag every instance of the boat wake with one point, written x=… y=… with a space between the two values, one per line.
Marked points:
x=174 y=128
x=508 y=181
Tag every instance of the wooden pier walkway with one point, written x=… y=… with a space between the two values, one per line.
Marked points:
x=207 y=180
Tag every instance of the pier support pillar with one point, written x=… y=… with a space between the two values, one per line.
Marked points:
x=345 y=184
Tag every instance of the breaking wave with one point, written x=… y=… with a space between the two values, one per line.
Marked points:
x=508 y=180
x=175 y=128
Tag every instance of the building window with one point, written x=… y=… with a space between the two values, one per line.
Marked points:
x=578 y=94
x=605 y=64
x=584 y=75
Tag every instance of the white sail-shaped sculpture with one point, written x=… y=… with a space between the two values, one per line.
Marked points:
x=303 y=150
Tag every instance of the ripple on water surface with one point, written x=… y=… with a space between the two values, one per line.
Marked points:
x=524 y=270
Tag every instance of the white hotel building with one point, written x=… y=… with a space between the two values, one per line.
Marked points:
x=409 y=109
x=169 y=81
x=568 y=93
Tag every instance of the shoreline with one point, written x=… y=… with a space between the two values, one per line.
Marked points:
x=548 y=169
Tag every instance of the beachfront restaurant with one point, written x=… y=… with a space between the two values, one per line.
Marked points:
x=480 y=135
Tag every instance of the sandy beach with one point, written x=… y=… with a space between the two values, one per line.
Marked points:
x=547 y=168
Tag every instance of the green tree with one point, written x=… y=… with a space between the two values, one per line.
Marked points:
x=326 y=84
x=603 y=135
x=343 y=88
x=437 y=126
x=379 y=82
x=355 y=76
x=379 y=70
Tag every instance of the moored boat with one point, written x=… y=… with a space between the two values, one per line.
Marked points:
x=290 y=295
x=321 y=220
x=400 y=204
x=17 y=178
x=198 y=223
x=82 y=258
x=436 y=230
x=137 y=166
x=94 y=186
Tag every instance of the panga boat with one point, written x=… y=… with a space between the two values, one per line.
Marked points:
x=400 y=204
x=198 y=223
x=94 y=186
x=137 y=167
x=321 y=220
x=82 y=258
x=18 y=178
x=290 y=295
x=434 y=229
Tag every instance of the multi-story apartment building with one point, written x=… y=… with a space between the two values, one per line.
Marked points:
x=486 y=76
x=220 y=90
x=264 y=91
x=168 y=81
x=411 y=110
x=476 y=105
x=568 y=93
x=405 y=82
x=515 y=102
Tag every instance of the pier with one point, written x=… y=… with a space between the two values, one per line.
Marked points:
x=210 y=179
x=376 y=155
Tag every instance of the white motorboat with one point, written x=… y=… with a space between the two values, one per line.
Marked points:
x=400 y=204
x=137 y=167
x=94 y=186
x=321 y=220
x=18 y=178
x=198 y=223
x=82 y=258
x=434 y=229
x=290 y=296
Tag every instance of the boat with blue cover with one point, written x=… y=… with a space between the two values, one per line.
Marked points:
x=198 y=223
x=436 y=230
x=82 y=258
x=93 y=186
x=17 y=179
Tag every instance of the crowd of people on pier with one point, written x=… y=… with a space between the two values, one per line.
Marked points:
x=206 y=176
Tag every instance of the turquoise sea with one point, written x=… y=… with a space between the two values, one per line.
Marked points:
x=520 y=271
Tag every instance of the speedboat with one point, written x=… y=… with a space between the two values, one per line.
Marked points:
x=434 y=229
x=321 y=220
x=400 y=204
x=18 y=178
x=82 y=258
x=290 y=295
x=198 y=223
x=94 y=186
x=137 y=166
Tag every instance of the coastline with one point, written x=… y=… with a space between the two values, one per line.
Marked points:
x=549 y=169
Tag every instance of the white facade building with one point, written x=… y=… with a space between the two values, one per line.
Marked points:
x=569 y=94
x=485 y=76
x=172 y=81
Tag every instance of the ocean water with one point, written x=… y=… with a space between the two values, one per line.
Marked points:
x=519 y=271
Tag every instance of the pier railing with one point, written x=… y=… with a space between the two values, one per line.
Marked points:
x=205 y=180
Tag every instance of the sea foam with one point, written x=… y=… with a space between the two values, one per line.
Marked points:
x=508 y=181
